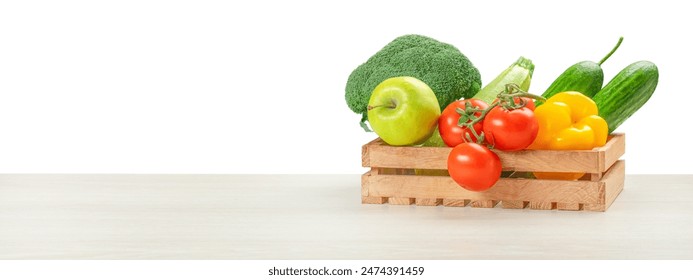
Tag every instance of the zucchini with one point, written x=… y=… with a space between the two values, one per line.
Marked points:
x=586 y=77
x=519 y=73
x=627 y=92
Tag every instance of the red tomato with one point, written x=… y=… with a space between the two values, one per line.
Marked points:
x=510 y=130
x=453 y=134
x=474 y=167
x=529 y=102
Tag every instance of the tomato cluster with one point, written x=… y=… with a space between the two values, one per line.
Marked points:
x=502 y=126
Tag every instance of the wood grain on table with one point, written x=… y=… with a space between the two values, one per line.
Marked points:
x=320 y=217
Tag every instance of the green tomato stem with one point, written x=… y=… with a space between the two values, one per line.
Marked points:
x=506 y=99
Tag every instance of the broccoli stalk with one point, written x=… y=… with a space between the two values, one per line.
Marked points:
x=441 y=66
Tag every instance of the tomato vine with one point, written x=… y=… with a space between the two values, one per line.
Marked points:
x=506 y=99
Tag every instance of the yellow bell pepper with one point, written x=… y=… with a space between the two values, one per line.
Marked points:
x=568 y=121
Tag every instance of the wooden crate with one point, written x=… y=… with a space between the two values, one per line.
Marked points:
x=418 y=175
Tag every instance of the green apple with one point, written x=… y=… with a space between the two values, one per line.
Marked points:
x=403 y=111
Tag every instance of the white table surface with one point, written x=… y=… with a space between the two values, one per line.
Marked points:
x=320 y=217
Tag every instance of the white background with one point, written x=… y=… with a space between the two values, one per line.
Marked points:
x=258 y=87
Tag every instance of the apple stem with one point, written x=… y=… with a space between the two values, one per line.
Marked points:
x=392 y=105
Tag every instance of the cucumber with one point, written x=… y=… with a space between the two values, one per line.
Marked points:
x=585 y=77
x=519 y=73
x=627 y=92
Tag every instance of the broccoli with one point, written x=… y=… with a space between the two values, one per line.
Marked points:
x=441 y=66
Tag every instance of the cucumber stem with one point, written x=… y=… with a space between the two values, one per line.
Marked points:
x=611 y=52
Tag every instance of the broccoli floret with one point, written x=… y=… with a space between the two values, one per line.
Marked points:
x=441 y=66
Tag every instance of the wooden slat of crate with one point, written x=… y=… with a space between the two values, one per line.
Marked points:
x=506 y=189
x=429 y=201
x=569 y=206
x=542 y=205
x=516 y=192
x=401 y=200
x=612 y=151
x=365 y=197
x=514 y=204
x=612 y=185
x=373 y=200
x=378 y=154
x=455 y=202
x=484 y=203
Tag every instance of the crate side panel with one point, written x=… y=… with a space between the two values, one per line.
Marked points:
x=365 y=186
x=611 y=186
x=613 y=150
x=614 y=182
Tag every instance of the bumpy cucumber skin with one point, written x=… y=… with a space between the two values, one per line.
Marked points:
x=629 y=90
x=585 y=77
